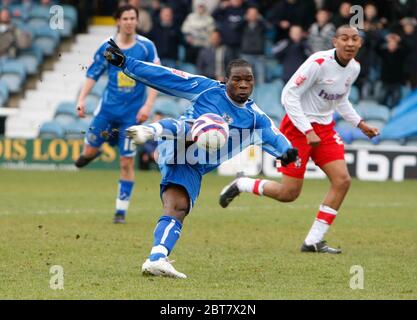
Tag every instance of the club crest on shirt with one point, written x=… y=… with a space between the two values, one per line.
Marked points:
x=227 y=118
x=299 y=80
x=348 y=82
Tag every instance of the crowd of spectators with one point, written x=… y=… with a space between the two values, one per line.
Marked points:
x=215 y=31
x=212 y=32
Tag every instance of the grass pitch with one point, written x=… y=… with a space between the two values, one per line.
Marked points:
x=248 y=251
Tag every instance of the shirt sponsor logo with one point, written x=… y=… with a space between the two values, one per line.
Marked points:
x=180 y=73
x=330 y=96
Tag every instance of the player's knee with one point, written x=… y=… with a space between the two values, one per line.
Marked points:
x=289 y=195
x=343 y=182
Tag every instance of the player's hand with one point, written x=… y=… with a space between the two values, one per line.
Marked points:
x=291 y=155
x=144 y=113
x=370 y=132
x=313 y=139
x=114 y=54
x=80 y=109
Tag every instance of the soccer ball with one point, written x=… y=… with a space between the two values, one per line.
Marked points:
x=210 y=132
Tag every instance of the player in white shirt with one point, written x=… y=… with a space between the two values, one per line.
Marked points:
x=318 y=88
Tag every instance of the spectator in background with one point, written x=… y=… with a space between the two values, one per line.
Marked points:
x=292 y=52
x=367 y=56
x=12 y=38
x=212 y=61
x=197 y=28
x=145 y=19
x=410 y=38
x=343 y=16
x=167 y=37
x=253 y=43
x=289 y=12
x=230 y=18
x=211 y=5
x=181 y=9
x=7 y=34
x=393 y=53
x=321 y=32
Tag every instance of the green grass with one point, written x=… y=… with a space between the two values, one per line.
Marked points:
x=249 y=251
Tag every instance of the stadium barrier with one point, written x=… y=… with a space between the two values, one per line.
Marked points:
x=370 y=163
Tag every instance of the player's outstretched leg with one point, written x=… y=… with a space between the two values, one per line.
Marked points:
x=166 y=234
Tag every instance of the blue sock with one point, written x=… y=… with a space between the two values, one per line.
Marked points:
x=123 y=196
x=166 y=234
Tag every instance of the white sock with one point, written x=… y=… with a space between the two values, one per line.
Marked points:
x=250 y=185
x=324 y=219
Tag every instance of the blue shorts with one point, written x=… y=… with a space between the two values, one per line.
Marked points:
x=104 y=130
x=184 y=175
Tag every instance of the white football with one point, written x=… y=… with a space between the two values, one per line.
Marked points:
x=210 y=132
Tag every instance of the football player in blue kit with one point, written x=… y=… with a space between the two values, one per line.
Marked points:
x=181 y=176
x=124 y=103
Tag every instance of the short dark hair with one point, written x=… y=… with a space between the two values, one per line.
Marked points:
x=342 y=27
x=123 y=8
x=235 y=64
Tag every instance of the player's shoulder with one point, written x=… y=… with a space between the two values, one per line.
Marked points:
x=252 y=105
x=321 y=58
x=355 y=65
x=144 y=40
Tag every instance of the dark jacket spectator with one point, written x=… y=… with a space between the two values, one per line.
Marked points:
x=166 y=37
x=292 y=52
x=212 y=61
x=393 y=53
x=253 y=42
x=181 y=9
x=230 y=20
x=290 y=12
x=410 y=38
x=343 y=15
x=253 y=34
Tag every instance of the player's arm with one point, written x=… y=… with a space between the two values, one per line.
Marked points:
x=85 y=90
x=301 y=81
x=348 y=113
x=273 y=141
x=146 y=109
x=167 y=80
x=94 y=72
